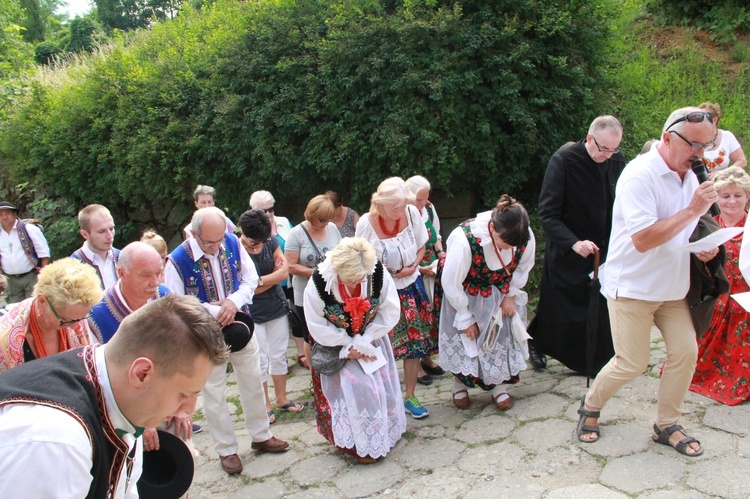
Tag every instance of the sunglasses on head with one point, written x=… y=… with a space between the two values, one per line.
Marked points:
x=694 y=117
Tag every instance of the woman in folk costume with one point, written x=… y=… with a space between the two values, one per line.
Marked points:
x=477 y=295
x=721 y=371
x=351 y=302
x=54 y=319
x=395 y=229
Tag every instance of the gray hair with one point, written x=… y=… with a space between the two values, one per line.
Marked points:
x=605 y=122
x=681 y=113
x=200 y=215
x=204 y=190
x=417 y=184
x=260 y=197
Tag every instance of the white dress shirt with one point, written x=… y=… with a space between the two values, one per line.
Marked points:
x=107 y=268
x=248 y=277
x=45 y=452
x=13 y=257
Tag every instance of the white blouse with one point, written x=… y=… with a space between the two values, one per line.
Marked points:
x=325 y=333
x=399 y=251
x=458 y=263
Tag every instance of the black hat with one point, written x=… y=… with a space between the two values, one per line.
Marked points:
x=238 y=333
x=5 y=205
x=167 y=472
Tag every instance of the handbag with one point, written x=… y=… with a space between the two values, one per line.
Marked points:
x=294 y=320
x=319 y=257
x=325 y=360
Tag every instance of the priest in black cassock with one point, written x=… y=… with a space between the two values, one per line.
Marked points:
x=575 y=209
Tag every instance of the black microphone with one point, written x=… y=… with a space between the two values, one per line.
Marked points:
x=700 y=171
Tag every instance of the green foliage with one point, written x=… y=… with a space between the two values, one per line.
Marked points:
x=301 y=96
x=649 y=82
x=722 y=18
x=46 y=52
x=84 y=33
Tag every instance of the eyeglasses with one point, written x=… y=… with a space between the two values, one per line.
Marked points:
x=695 y=146
x=252 y=243
x=269 y=210
x=694 y=117
x=209 y=243
x=62 y=322
x=605 y=150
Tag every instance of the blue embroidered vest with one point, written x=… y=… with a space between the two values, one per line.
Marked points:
x=106 y=316
x=196 y=275
x=80 y=255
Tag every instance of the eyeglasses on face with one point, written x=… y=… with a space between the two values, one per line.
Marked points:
x=694 y=146
x=253 y=243
x=269 y=210
x=209 y=243
x=605 y=150
x=694 y=117
x=60 y=320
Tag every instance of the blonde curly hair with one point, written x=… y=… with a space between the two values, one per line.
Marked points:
x=69 y=282
x=734 y=176
x=353 y=258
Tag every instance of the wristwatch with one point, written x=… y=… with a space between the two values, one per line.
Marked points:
x=260 y=281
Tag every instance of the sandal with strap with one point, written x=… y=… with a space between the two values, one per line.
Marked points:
x=585 y=428
x=662 y=437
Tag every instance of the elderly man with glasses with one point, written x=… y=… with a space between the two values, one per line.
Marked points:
x=658 y=202
x=213 y=266
x=575 y=209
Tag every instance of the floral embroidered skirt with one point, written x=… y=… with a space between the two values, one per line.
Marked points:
x=415 y=336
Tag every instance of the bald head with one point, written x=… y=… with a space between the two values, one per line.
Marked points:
x=140 y=269
x=210 y=218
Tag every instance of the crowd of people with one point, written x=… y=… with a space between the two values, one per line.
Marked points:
x=359 y=293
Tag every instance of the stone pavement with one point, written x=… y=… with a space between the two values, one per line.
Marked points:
x=529 y=452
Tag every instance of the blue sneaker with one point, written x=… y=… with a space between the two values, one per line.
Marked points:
x=414 y=408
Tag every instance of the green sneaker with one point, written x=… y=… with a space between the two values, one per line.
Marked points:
x=414 y=408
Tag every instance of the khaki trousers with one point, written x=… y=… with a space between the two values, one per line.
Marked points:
x=631 y=334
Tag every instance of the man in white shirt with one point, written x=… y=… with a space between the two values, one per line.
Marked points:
x=658 y=201
x=213 y=266
x=98 y=230
x=70 y=423
x=23 y=253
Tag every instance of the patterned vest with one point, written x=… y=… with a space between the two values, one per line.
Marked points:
x=334 y=310
x=480 y=278
x=80 y=255
x=106 y=316
x=26 y=243
x=67 y=381
x=197 y=276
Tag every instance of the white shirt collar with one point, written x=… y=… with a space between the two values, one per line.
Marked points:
x=116 y=416
x=95 y=257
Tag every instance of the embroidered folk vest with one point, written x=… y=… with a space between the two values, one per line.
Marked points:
x=197 y=276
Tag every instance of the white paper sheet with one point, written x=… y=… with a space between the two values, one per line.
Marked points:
x=370 y=366
x=743 y=299
x=711 y=241
x=470 y=346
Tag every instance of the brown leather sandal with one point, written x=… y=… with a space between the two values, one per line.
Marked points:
x=506 y=404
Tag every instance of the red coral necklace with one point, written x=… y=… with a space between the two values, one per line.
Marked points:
x=497 y=251
x=385 y=230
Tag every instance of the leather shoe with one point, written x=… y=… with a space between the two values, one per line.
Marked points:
x=231 y=464
x=425 y=380
x=538 y=360
x=433 y=371
x=506 y=404
x=273 y=444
